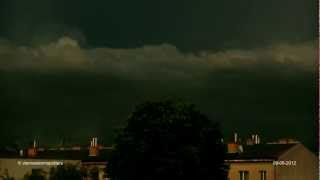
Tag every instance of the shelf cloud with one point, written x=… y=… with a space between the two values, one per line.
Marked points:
x=153 y=61
x=62 y=82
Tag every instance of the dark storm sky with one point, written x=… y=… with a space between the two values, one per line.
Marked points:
x=77 y=68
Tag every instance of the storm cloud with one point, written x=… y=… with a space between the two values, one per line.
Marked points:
x=52 y=89
x=153 y=60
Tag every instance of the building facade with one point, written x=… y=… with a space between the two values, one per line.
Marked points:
x=275 y=161
x=16 y=165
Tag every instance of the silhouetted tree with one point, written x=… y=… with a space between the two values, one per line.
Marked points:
x=84 y=172
x=94 y=173
x=36 y=174
x=168 y=140
x=65 y=172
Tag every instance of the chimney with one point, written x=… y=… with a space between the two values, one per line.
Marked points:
x=32 y=151
x=34 y=143
x=94 y=148
x=249 y=141
x=233 y=148
x=254 y=139
x=21 y=153
x=235 y=138
x=240 y=148
x=95 y=142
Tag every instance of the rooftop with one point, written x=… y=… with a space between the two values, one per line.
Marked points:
x=82 y=154
x=260 y=152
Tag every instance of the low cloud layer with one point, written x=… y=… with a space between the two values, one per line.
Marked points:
x=152 y=61
x=50 y=88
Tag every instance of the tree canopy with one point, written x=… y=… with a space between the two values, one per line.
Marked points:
x=168 y=140
x=65 y=172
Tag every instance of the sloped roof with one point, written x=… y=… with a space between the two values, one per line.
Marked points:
x=82 y=155
x=260 y=152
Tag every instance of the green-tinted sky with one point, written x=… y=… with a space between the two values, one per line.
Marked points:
x=76 y=68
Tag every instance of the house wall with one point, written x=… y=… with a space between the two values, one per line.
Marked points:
x=100 y=167
x=306 y=167
x=18 y=171
x=253 y=168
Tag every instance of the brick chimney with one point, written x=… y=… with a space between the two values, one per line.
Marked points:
x=94 y=148
x=255 y=139
x=32 y=151
x=233 y=147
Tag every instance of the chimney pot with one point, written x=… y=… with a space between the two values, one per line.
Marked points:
x=21 y=152
x=235 y=138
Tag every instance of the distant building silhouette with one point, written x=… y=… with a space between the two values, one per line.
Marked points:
x=285 y=159
x=17 y=163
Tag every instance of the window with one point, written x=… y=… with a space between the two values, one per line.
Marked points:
x=244 y=175
x=263 y=175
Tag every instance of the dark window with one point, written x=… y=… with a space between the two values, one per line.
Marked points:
x=244 y=175
x=263 y=175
